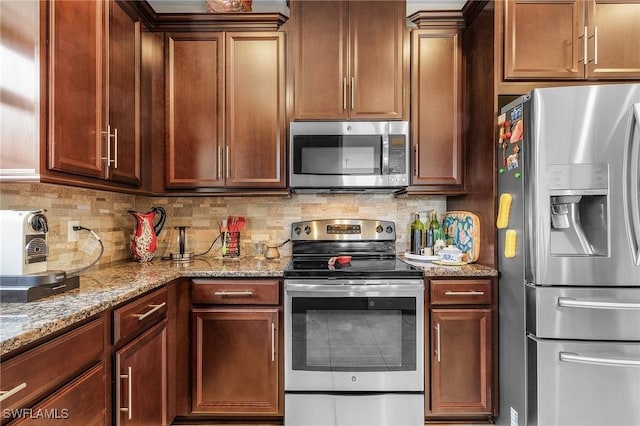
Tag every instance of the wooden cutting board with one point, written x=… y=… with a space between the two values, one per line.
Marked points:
x=463 y=228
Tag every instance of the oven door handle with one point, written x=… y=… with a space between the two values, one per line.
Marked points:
x=350 y=290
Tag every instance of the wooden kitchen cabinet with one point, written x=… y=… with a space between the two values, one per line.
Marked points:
x=93 y=83
x=461 y=361
x=141 y=379
x=236 y=348
x=65 y=385
x=225 y=110
x=437 y=78
x=140 y=360
x=550 y=40
x=348 y=60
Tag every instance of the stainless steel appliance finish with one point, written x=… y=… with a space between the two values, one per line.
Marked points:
x=351 y=156
x=390 y=409
x=570 y=296
x=354 y=345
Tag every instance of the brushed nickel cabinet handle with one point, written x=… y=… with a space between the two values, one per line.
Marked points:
x=415 y=161
x=129 y=409
x=273 y=341
x=153 y=309
x=344 y=93
x=584 y=38
x=224 y=293
x=108 y=135
x=464 y=293
x=219 y=162
x=353 y=90
x=115 y=148
x=7 y=394
x=437 y=327
x=227 y=168
x=595 y=46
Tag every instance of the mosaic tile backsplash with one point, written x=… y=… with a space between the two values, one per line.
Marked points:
x=268 y=218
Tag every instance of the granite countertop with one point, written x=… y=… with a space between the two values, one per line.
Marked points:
x=105 y=287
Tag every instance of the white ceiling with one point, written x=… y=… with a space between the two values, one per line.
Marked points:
x=199 y=6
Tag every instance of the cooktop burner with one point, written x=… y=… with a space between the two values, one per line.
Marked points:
x=370 y=245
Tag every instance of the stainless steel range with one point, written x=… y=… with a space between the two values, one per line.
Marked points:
x=354 y=347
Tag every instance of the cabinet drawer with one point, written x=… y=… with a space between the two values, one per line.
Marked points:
x=135 y=317
x=461 y=292
x=236 y=292
x=32 y=374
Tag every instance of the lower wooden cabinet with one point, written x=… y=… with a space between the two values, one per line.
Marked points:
x=48 y=382
x=461 y=362
x=81 y=402
x=141 y=380
x=235 y=361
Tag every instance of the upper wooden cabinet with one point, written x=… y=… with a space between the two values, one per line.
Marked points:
x=571 y=39
x=437 y=77
x=93 y=90
x=225 y=110
x=348 y=59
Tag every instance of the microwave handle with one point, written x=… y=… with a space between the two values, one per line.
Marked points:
x=385 y=153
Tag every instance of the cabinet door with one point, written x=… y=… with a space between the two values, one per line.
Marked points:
x=461 y=361
x=436 y=114
x=194 y=83
x=235 y=361
x=124 y=96
x=320 y=60
x=544 y=39
x=141 y=379
x=614 y=39
x=81 y=402
x=376 y=43
x=255 y=110
x=76 y=83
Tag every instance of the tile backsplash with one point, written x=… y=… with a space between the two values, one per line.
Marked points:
x=268 y=218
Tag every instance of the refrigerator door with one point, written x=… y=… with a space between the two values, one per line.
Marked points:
x=582 y=185
x=584 y=313
x=583 y=383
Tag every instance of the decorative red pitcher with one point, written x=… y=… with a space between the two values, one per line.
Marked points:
x=144 y=240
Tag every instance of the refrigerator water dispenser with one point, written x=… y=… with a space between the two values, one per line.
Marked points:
x=579 y=225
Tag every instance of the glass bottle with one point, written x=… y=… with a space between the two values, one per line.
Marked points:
x=431 y=229
x=417 y=228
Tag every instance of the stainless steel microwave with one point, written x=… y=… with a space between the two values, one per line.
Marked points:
x=348 y=156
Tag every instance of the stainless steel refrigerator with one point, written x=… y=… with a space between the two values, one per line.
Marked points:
x=569 y=257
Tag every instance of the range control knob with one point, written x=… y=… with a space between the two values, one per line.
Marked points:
x=307 y=229
x=297 y=230
x=379 y=229
x=389 y=229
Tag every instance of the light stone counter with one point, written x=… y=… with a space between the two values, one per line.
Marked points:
x=104 y=288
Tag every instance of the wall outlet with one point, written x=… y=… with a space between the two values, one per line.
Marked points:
x=72 y=235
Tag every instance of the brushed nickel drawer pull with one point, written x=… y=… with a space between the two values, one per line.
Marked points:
x=129 y=409
x=224 y=293
x=153 y=309
x=6 y=394
x=464 y=293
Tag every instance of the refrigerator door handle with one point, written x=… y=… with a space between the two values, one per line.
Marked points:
x=631 y=184
x=575 y=358
x=567 y=302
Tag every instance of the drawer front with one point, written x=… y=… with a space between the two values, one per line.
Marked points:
x=236 y=292
x=32 y=374
x=461 y=292
x=138 y=315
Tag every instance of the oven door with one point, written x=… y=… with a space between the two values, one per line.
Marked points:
x=354 y=335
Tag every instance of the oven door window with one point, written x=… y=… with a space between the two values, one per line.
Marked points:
x=354 y=334
x=337 y=154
